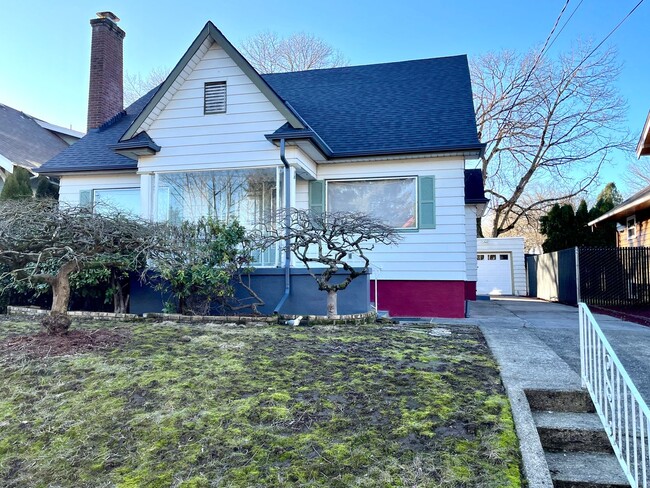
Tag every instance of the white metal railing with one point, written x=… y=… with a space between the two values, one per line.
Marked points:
x=619 y=405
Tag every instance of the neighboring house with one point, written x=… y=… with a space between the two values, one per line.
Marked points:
x=632 y=216
x=28 y=142
x=215 y=138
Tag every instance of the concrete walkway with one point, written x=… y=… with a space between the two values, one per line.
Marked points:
x=536 y=344
x=540 y=342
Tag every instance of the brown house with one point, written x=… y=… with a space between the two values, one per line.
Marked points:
x=632 y=216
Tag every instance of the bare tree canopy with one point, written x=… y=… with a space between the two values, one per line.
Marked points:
x=637 y=174
x=547 y=123
x=136 y=85
x=44 y=243
x=270 y=53
x=329 y=243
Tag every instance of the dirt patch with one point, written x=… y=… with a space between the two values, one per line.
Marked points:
x=74 y=342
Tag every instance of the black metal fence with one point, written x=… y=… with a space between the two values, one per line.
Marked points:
x=606 y=276
x=614 y=276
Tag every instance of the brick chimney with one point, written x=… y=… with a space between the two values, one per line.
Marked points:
x=105 y=97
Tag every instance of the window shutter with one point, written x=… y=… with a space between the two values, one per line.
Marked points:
x=427 y=202
x=317 y=196
x=86 y=198
x=214 y=101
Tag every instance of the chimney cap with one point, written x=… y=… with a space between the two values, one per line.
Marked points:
x=109 y=16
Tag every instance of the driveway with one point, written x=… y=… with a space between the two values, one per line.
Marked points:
x=522 y=327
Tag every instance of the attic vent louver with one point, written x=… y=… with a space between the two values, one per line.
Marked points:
x=215 y=98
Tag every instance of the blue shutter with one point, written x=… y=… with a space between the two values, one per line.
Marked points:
x=317 y=196
x=86 y=198
x=427 y=202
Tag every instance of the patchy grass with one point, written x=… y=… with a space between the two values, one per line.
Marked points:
x=212 y=405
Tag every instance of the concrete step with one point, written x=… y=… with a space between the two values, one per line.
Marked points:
x=574 y=432
x=585 y=470
x=560 y=400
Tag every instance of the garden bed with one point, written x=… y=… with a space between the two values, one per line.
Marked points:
x=198 y=405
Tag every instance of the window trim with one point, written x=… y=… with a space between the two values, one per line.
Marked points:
x=117 y=189
x=631 y=219
x=205 y=97
x=415 y=179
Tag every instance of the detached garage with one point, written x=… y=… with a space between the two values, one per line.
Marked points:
x=501 y=267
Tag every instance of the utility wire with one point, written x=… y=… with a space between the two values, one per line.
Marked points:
x=608 y=36
x=564 y=25
x=536 y=62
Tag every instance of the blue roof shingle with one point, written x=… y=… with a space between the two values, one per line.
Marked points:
x=387 y=108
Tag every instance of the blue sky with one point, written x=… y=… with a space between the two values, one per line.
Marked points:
x=45 y=45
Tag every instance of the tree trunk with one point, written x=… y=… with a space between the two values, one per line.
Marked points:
x=332 y=308
x=120 y=299
x=61 y=288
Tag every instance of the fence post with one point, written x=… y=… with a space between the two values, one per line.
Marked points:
x=577 y=250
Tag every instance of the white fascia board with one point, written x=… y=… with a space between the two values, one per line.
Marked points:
x=621 y=210
x=6 y=164
x=59 y=129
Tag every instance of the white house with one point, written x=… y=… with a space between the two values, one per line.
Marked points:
x=218 y=138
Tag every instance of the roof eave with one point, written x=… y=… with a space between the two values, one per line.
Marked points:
x=635 y=205
x=75 y=170
x=134 y=149
x=476 y=201
x=478 y=148
x=643 y=147
x=210 y=30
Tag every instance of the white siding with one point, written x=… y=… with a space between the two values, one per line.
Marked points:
x=470 y=229
x=427 y=254
x=515 y=246
x=191 y=140
x=70 y=186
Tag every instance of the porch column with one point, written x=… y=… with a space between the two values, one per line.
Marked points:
x=146 y=195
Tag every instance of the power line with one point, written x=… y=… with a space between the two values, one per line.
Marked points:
x=564 y=25
x=535 y=63
x=608 y=35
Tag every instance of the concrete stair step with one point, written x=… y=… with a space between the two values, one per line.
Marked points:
x=569 y=431
x=585 y=470
x=560 y=400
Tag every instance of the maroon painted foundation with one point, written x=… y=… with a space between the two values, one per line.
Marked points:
x=404 y=298
x=470 y=290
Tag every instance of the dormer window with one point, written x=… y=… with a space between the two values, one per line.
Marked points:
x=214 y=99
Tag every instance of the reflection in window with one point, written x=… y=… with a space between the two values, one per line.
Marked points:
x=480 y=257
x=492 y=257
x=391 y=200
x=248 y=196
x=503 y=257
x=120 y=199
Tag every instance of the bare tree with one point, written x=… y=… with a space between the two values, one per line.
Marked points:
x=44 y=243
x=550 y=123
x=270 y=53
x=637 y=174
x=136 y=85
x=330 y=243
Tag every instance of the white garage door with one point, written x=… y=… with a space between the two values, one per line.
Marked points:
x=494 y=274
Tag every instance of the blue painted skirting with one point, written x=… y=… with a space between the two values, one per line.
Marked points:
x=268 y=283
